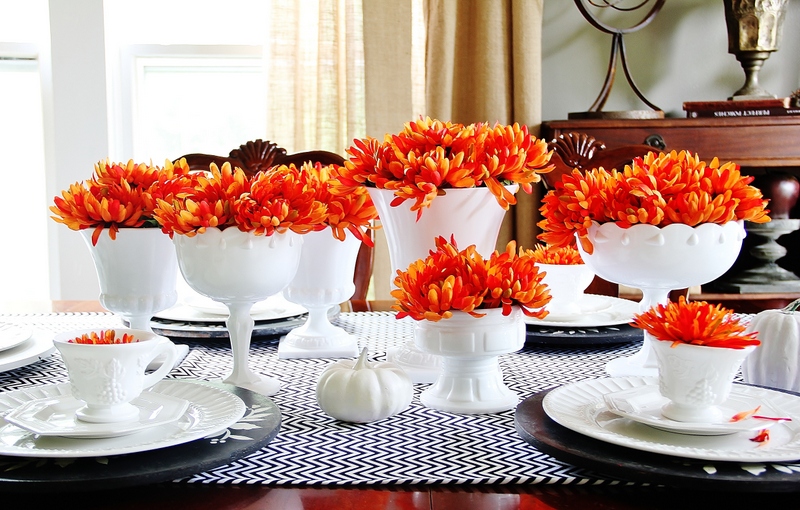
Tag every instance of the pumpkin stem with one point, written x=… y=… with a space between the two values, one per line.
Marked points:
x=793 y=306
x=362 y=360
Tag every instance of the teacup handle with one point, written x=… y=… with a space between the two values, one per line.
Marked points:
x=171 y=354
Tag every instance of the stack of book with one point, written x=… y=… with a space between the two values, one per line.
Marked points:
x=781 y=106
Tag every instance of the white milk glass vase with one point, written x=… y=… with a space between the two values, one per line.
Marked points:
x=137 y=273
x=469 y=215
x=324 y=278
x=658 y=260
x=239 y=269
x=470 y=380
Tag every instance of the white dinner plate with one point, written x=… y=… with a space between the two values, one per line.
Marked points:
x=38 y=346
x=12 y=335
x=643 y=404
x=596 y=311
x=580 y=407
x=211 y=410
x=199 y=309
x=55 y=416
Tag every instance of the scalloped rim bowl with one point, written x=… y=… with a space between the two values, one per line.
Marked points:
x=674 y=256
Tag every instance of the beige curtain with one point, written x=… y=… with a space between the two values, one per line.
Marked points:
x=483 y=63
x=315 y=64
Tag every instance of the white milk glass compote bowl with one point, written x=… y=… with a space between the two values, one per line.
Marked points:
x=324 y=279
x=137 y=273
x=658 y=260
x=239 y=269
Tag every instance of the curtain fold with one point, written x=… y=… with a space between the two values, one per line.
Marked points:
x=315 y=69
x=483 y=64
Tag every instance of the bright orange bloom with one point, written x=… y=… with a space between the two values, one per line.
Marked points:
x=430 y=155
x=697 y=323
x=116 y=196
x=104 y=338
x=562 y=256
x=449 y=280
x=656 y=189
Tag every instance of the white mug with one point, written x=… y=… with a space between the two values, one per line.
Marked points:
x=107 y=377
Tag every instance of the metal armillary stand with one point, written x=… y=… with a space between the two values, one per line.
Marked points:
x=618 y=50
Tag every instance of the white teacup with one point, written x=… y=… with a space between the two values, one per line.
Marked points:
x=107 y=377
x=567 y=283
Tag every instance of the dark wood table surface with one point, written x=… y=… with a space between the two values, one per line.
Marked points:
x=174 y=496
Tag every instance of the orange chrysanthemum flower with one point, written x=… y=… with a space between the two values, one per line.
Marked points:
x=451 y=280
x=562 y=256
x=348 y=209
x=104 y=338
x=697 y=323
x=117 y=196
x=429 y=156
x=657 y=189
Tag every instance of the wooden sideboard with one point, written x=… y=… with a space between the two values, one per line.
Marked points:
x=760 y=145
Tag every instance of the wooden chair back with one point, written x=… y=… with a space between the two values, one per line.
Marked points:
x=258 y=155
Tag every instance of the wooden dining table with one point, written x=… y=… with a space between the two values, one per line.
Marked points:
x=175 y=495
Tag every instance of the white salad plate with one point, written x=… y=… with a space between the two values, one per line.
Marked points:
x=210 y=411
x=38 y=346
x=12 y=335
x=581 y=407
x=643 y=404
x=55 y=416
x=596 y=311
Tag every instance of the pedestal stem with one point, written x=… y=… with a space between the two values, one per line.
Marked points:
x=240 y=328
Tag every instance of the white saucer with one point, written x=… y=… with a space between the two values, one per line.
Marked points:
x=211 y=410
x=643 y=405
x=580 y=407
x=12 y=335
x=596 y=311
x=38 y=346
x=55 y=416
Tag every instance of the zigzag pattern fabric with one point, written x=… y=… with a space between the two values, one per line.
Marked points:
x=417 y=446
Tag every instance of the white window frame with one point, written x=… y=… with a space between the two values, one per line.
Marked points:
x=125 y=75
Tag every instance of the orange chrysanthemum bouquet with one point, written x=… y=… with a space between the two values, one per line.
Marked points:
x=429 y=156
x=699 y=348
x=117 y=196
x=450 y=280
x=657 y=189
x=666 y=221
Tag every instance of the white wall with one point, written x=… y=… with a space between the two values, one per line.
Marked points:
x=681 y=56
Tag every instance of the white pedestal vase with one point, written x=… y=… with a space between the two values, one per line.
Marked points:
x=696 y=379
x=658 y=260
x=238 y=269
x=470 y=215
x=324 y=278
x=470 y=380
x=137 y=273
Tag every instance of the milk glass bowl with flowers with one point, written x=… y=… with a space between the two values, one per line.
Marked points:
x=667 y=221
x=327 y=266
x=566 y=277
x=114 y=211
x=238 y=241
x=437 y=178
x=469 y=310
x=699 y=349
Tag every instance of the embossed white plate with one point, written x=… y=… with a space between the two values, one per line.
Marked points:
x=644 y=403
x=201 y=309
x=211 y=410
x=12 y=335
x=38 y=346
x=596 y=311
x=55 y=416
x=580 y=407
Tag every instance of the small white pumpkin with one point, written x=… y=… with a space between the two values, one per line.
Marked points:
x=361 y=392
x=776 y=362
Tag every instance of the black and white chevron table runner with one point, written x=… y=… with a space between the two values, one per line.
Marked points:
x=417 y=446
